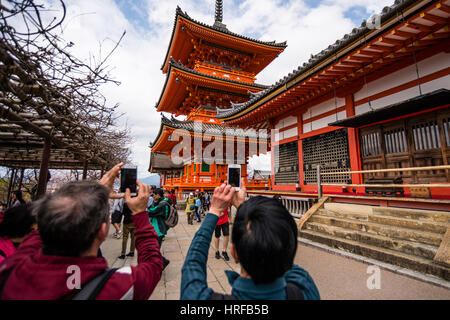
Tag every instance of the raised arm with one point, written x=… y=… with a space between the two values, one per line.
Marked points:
x=147 y=273
x=194 y=284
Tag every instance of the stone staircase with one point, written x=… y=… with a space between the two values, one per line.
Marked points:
x=403 y=237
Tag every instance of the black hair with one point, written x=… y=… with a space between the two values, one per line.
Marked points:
x=172 y=191
x=277 y=197
x=159 y=191
x=265 y=237
x=69 y=219
x=17 y=222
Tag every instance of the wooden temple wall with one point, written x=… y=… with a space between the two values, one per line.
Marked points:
x=393 y=84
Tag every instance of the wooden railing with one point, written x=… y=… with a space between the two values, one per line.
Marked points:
x=406 y=185
x=208 y=181
x=296 y=206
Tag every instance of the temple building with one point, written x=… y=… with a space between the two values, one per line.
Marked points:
x=376 y=99
x=208 y=68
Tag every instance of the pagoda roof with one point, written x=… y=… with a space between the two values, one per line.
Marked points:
x=320 y=61
x=220 y=33
x=161 y=162
x=209 y=128
x=173 y=94
x=206 y=128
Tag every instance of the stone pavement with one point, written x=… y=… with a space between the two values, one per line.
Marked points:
x=175 y=247
x=337 y=277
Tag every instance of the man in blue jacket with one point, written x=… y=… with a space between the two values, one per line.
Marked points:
x=263 y=242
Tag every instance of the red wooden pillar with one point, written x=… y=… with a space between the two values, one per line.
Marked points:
x=43 y=172
x=300 y=150
x=272 y=155
x=353 y=145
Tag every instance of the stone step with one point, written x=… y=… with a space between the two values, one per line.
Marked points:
x=382 y=254
x=429 y=226
x=348 y=208
x=421 y=215
x=344 y=214
x=415 y=214
x=400 y=233
x=425 y=225
x=409 y=247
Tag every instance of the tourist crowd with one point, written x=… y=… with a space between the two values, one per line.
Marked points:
x=50 y=249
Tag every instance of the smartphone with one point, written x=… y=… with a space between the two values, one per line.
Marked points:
x=234 y=176
x=128 y=177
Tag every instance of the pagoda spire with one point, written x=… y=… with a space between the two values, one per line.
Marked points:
x=219 y=15
x=219 y=10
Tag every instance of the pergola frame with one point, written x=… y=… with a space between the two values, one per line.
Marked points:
x=52 y=115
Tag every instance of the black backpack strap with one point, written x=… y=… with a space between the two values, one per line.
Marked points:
x=294 y=292
x=218 y=296
x=91 y=290
x=2 y=254
x=3 y=283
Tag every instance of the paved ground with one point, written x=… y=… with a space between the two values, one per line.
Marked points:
x=337 y=277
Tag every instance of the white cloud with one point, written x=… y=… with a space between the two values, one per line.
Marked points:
x=136 y=63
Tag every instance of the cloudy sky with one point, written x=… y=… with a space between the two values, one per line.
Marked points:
x=308 y=26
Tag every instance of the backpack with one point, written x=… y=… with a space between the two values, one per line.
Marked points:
x=293 y=292
x=90 y=290
x=172 y=218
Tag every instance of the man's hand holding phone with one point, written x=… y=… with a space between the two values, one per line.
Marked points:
x=240 y=196
x=221 y=199
x=138 y=203
x=108 y=180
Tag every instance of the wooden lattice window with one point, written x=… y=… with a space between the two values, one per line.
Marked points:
x=330 y=151
x=426 y=135
x=446 y=126
x=395 y=141
x=286 y=163
x=370 y=144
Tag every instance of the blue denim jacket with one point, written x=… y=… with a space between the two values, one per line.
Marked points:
x=194 y=284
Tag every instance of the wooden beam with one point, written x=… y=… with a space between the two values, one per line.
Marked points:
x=394 y=42
x=418 y=26
x=19 y=186
x=433 y=18
x=10 y=186
x=43 y=172
x=443 y=7
x=363 y=59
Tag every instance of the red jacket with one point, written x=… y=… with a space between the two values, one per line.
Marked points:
x=6 y=248
x=173 y=197
x=36 y=276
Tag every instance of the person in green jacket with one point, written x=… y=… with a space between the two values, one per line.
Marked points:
x=158 y=212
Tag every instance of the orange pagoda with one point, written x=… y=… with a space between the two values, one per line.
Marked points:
x=208 y=69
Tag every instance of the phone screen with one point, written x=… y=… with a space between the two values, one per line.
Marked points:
x=234 y=177
x=128 y=179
